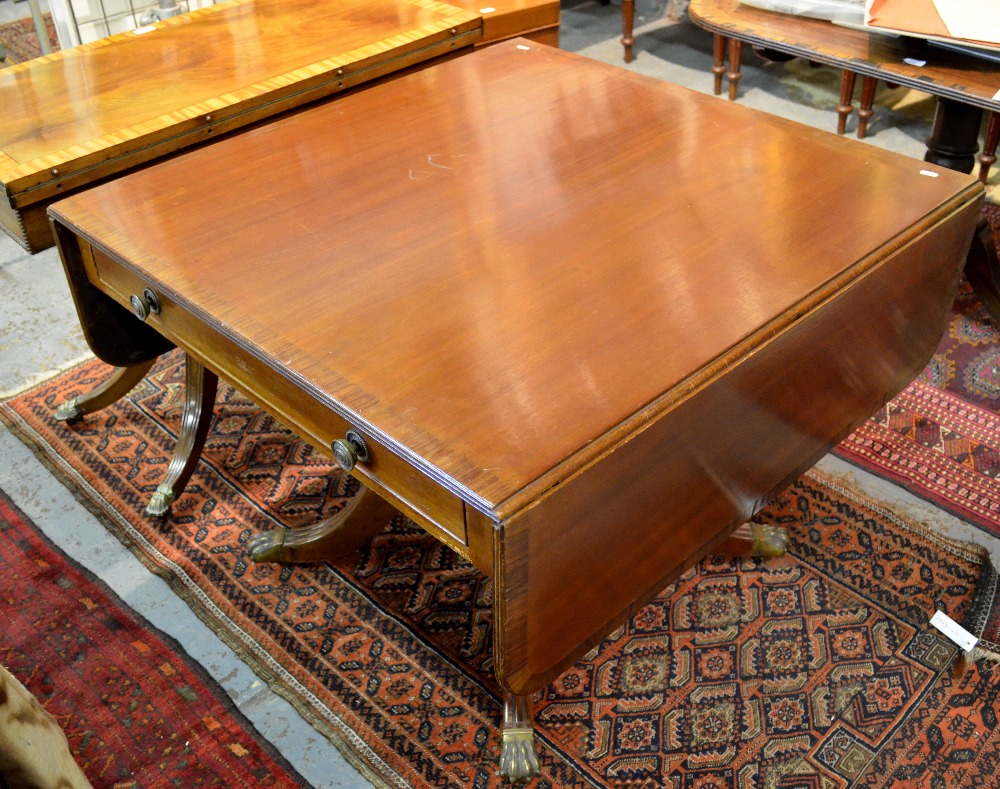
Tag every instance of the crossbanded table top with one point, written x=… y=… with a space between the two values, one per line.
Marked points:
x=77 y=109
x=496 y=263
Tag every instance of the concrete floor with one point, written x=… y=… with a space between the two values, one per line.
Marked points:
x=39 y=337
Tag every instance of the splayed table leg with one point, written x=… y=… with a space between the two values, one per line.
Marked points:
x=121 y=382
x=199 y=400
x=362 y=518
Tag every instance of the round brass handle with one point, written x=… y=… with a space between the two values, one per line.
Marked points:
x=350 y=450
x=152 y=300
x=145 y=304
x=139 y=306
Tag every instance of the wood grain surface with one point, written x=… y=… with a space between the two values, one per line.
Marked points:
x=75 y=109
x=588 y=553
x=500 y=286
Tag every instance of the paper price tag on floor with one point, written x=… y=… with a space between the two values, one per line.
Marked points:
x=954 y=631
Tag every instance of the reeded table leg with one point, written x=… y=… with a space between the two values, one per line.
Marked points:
x=362 y=518
x=121 y=382
x=757 y=540
x=199 y=400
x=518 y=760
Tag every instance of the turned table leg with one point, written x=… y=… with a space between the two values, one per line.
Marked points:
x=199 y=400
x=953 y=143
x=518 y=759
x=865 y=111
x=954 y=140
x=846 y=107
x=121 y=382
x=719 y=44
x=628 y=23
x=735 y=58
x=362 y=518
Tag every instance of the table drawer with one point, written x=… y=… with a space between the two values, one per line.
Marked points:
x=406 y=487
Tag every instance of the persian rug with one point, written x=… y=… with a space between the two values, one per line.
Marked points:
x=21 y=41
x=818 y=669
x=136 y=710
x=940 y=437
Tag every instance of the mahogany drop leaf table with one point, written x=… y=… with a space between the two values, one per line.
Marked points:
x=517 y=297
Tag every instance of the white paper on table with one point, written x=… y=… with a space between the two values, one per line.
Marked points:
x=976 y=20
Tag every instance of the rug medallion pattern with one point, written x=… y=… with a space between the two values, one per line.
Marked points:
x=815 y=670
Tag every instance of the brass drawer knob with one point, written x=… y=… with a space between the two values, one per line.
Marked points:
x=145 y=304
x=350 y=450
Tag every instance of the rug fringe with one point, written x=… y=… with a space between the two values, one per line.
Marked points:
x=978 y=615
x=978 y=652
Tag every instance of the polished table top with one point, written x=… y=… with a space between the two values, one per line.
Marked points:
x=499 y=288
x=79 y=115
x=133 y=79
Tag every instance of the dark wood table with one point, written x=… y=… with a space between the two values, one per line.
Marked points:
x=462 y=285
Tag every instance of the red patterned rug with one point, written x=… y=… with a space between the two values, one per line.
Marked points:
x=815 y=670
x=940 y=438
x=137 y=712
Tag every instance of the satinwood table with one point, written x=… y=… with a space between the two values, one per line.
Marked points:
x=73 y=118
x=517 y=296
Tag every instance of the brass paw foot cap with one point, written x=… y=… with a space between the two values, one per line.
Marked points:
x=518 y=760
x=160 y=502
x=69 y=411
x=267 y=547
x=769 y=541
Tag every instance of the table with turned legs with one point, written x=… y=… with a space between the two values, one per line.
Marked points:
x=965 y=86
